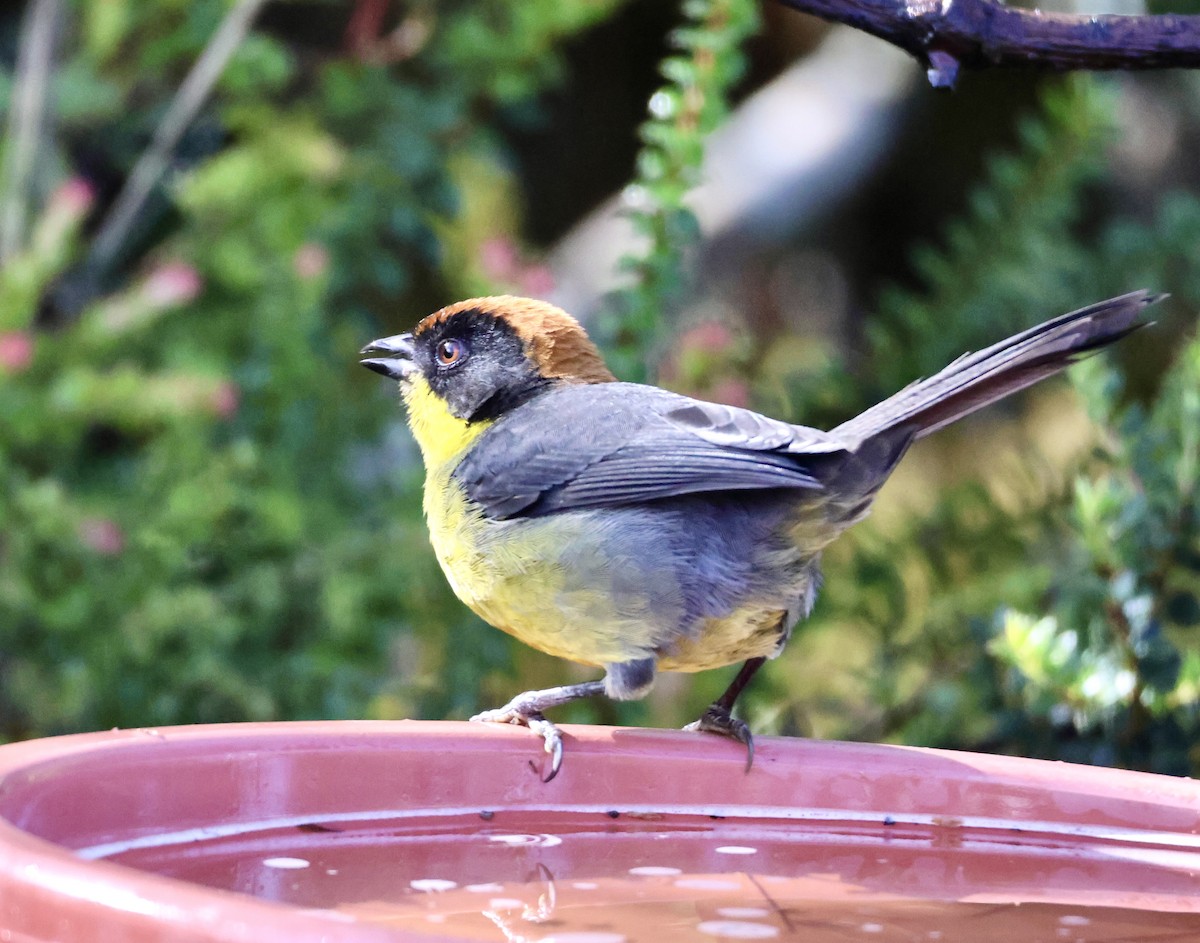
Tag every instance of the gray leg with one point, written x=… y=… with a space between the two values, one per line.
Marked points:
x=719 y=716
x=623 y=681
x=526 y=709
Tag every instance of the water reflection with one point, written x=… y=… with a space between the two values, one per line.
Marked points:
x=575 y=877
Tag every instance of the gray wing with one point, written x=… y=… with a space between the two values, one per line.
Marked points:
x=620 y=443
x=744 y=428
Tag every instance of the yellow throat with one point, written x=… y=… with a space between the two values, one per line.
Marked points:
x=440 y=434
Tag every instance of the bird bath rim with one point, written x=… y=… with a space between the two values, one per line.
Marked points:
x=67 y=803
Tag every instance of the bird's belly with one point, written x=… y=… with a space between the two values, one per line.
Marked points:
x=617 y=585
x=552 y=582
x=752 y=631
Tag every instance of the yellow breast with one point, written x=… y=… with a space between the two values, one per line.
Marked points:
x=508 y=574
x=454 y=526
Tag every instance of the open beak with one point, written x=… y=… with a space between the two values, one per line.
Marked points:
x=397 y=362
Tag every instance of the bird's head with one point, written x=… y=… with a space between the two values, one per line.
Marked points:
x=477 y=359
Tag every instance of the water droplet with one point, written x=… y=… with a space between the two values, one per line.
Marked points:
x=585 y=885
x=505 y=903
x=1073 y=920
x=484 y=888
x=738 y=929
x=432 y=884
x=543 y=841
x=744 y=913
x=286 y=863
x=635 y=197
x=872 y=928
x=736 y=850
x=650 y=870
x=943 y=69
x=662 y=105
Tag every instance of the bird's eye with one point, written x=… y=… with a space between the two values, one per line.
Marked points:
x=451 y=351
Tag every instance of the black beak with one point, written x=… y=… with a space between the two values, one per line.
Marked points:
x=398 y=362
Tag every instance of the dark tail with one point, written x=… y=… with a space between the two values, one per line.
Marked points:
x=974 y=380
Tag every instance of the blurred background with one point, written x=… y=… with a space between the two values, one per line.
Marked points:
x=210 y=512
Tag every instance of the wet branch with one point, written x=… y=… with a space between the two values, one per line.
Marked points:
x=981 y=33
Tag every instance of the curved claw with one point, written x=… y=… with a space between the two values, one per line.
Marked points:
x=552 y=737
x=718 y=720
x=537 y=723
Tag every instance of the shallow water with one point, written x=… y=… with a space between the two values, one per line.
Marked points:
x=613 y=877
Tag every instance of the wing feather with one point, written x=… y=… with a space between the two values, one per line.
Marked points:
x=619 y=444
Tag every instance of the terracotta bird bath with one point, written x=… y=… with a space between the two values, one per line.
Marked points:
x=383 y=831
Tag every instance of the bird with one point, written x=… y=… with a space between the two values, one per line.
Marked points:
x=637 y=530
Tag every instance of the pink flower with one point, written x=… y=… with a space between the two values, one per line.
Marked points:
x=498 y=258
x=102 y=535
x=174 y=283
x=537 y=281
x=311 y=260
x=224 y=399
x=731 y=392
x=75 y=197
x=710 y=336
x=16 y=351
x=62 y=215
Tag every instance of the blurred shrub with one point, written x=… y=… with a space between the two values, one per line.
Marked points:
x=1111 y=672
x=706 y=63
x=191 y=528
x=1062 y=623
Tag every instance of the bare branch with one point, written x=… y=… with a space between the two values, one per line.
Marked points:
x=947 y=34
x=183 y=109
x=25 y=120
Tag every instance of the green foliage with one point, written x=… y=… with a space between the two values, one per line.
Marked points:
x=1012 y=255
x=157 y=560
x=1114 y=660
x=191 y=528
x=914 y=598
x=403 y=129
x=1014 y=243
x=682 y=114
x=1010 y=622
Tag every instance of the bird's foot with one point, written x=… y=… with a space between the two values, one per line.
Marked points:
x=718 y=719
x=511 y=713
x=526 y=710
